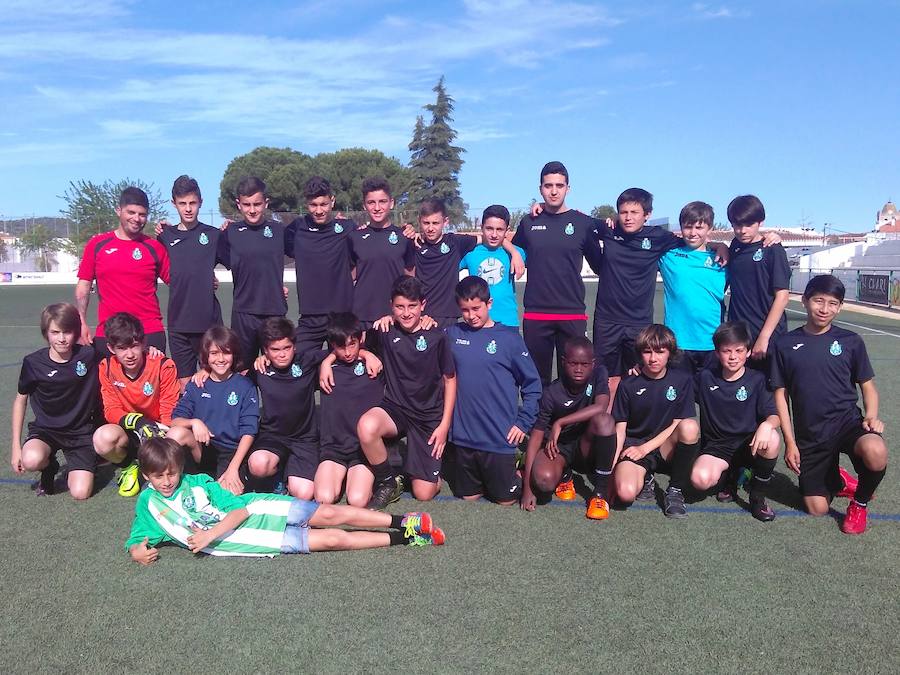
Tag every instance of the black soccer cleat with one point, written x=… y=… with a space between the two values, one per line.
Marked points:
x=46 y=484
x=383 y=494
x=673 y=504
x=648 y=492
x=760 y=510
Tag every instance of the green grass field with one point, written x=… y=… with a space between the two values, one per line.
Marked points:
x=510 y=591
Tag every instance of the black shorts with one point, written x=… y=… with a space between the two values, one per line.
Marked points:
x=696 y=360
x=311 y=330
x=246 y=326
x=491 y=474
x=819 y=465
x=571 y=452
x=653 y=462
x=78 y=449
x=185 y=351
x=214 y=460
x=419 y=462
x=157 y=339
x=298 y=456
x=347 y=457
x=614 y=346
x=735 y=451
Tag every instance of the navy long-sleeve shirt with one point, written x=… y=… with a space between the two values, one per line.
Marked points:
x=229 y=409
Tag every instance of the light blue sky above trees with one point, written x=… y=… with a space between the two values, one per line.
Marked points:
x=796 y=101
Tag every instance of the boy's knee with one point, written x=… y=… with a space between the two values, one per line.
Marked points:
x=107 y=437
x=703 y=479
x=688 y=431
x=816 y=506
x=180 y=435
x=326 y=495
x=626 y=490
x=359 y=497
x=427 y=492
x=261 y=466
x=80 y=492
x=602 y=424
x=874 y=454
x=368 y=428
x=34 y=460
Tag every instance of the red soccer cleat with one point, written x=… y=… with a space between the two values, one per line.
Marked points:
x=850 y=483
x=566 y=490
x=855 y=520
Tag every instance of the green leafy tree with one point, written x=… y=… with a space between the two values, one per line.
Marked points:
x=346 y=169
x=42 y=243
x=604 y=211
x=435 y=162
x=283 y=170
x=4 y=251
x=91 y=209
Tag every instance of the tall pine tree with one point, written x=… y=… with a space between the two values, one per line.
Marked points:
x=435 y=162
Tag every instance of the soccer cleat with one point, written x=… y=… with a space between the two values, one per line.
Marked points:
x=673 y=504
x=760 y=510
x=855 y=520
x=566 y=490
x=383 y=494
x=416 y=522
x=434 y=538
x=46 y=484
x=850 y=483
x=597 y=508
x=728 y=488
x=129 y=484
x=648 y=492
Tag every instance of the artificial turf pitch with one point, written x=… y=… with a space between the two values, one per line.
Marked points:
x=509 y=592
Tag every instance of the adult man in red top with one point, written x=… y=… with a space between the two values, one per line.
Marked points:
x=125 y=264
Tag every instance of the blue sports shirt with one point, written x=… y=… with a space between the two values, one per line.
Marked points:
x=694 y=286
x=492 y=265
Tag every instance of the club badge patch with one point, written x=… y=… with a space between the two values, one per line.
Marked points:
x=359 y=369
x=491 y=347
x=267 y=232
x=444 y=248
x=296 y=371
x=589 y=391
x=570 y=229
x=338 y=228
x=708 y=262
x=232 y=399
x=741 y=394
x=757 y=256
x=136 y=254
x=671 y=394
x=80 y=369
x=188 y=502
x=148 y=389
x=393 y=238
x=204 y=240
x=836 y=349
x=645 y=244
x=421 y=344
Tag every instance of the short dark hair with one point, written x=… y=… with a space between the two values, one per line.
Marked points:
x=374 y=184
x=407 y=287
x=732 y=333
x=746 y=210
x=656 y=337
x=496 y=211
x=431 y=206
x=697 y=212
x=637 y=195
x=825 y=284
x=64 y=315
x=342 y=327
x=555 y=167
x=134 y=196
x=123 y=330
x=578 y=342
x=158 y=454
x=317 y=187
x=249 y=186
x=185 y=185
x=275 y=328
x=226 y=340
x=472 y=288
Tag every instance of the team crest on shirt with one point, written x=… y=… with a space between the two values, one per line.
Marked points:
x=338 y=228
x=267 y=232
x=359 y=370
x=671 y=394
x=136 y=254
x=148 y=389
x=296 y=371
x=232 y=399
x=204 y=240
x=570 y=229
x=757 y=255
x=708 y=262
x=836 y=349
x=444 y=248
x=741 y=394
x=80 y=369
x=421 y=344
x=589 y=391
x=491 y=347
x=188 y=502
x=645 y=244
x=393 y=238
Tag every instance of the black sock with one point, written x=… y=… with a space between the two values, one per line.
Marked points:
x=398 y=538
x=682 y=463
x=567 y=475
x=383 y=472
x=603 y=450
x=396 y=522
x=762 y=474
x=868 y=482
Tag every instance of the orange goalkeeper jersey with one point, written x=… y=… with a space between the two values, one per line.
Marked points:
x=154 y=392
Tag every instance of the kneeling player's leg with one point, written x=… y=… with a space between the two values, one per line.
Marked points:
x=467 y=481
x=262 y=463
x=360 y=480
x=329 y=481
x=36 y=455
x=111 y=442
x=818 y=478
x=421 y=464
x=870 y=461
x=763 y=465
x=707 y=472
x=546 y=472
x=81 y=483
x=372 y=428
x=81 y=461
x=680 y=450
x=628 y=479
x=502 y=481
x=185 y=438
x=600 y=441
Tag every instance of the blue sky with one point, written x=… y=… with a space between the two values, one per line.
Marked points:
x=796 y=101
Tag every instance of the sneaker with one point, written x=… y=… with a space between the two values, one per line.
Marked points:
x=648 y=492
x=855 y=520
x=728 y=490
x=850 y=483
x=46 y=484
x=597 y=508
x=760 y=510
x=383 y=494
x=566 y=490
x=129 y=483
x=434 y=538
x=416 y=522
x=673 y=504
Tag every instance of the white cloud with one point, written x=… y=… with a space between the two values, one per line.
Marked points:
x=705 y=11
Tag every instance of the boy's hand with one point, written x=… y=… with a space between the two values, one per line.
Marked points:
x=410 y=233
x=374 y=366
x=528 y=501
x=516 y=265
x=438 y=441
x=515 y=435
x=16 y=460
x=536 y=209
x=427 y=323
x=154 y=353
x=143 y=555
x=635 y=452
x=86 y=338
x=761 y=438
x=261 y=364
x=200 y=539
x=225 y=224
x=215 y=282
x=634 y=370
x=792 y=458
x=770 y=239
x=760 y=347
x=722 y=253
x=231 y=482
x=326 y=377
x=199 y=378
x=873 y=424
x=201 y=431
x=384 y=323
x=284 y=289
x=162 y=224
x=552 y=449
